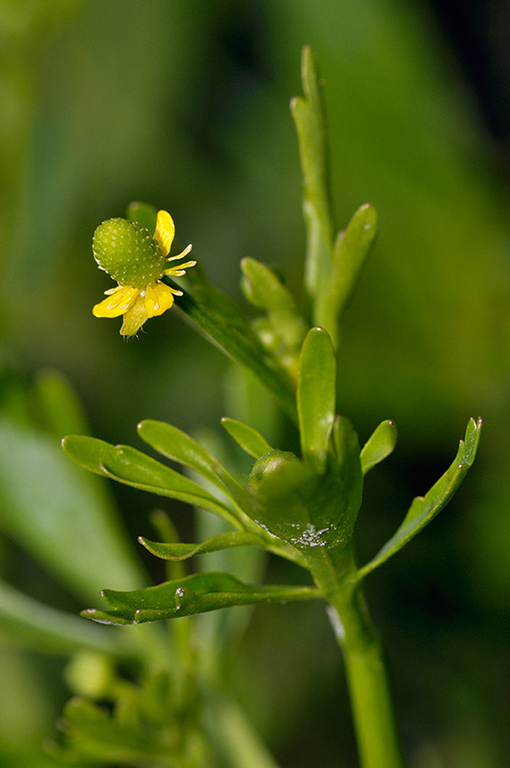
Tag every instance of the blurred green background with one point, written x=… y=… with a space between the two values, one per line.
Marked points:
x=184 y=104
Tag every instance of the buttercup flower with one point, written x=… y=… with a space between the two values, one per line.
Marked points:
x=137 y=261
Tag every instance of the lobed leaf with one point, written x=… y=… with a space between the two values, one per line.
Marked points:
x=346 y=474
x=309 y=118
x=198 y=593
x=216 y=543
x=178 y=446
x=311 y=512
x=316 y=397
x=378 y=446
x=265 y=290
x=350 y=252
x=310 y=122
x=248 y=438
x=425 y=508
x=129 y=466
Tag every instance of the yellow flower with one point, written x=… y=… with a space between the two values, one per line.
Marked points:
x=137 y=261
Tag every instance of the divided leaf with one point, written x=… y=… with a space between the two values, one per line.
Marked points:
x=129 y=466
x=350 y=252
x=178 y=446
x=378 y=446
x=310 y=511
x=248 y=438
x=198 y=593
x=425 y=508
x=316 y=397
x=309 y=118
x=265 y=290
x=216 y=543
x=347 y=473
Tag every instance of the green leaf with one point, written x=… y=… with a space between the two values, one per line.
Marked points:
x=198 y=593
x=265 y=290
x=178 y=446
x=63 y=518
x=42 y=628
x=349 y=255
x=424 y=509
x=129 y=466
x=310 y=122
x=311 y=512
x=216 y=543
x=316 y=397
x=247 y=437
x=220 y=319
x=378 y=446
x=281 y=489
x=346 y=472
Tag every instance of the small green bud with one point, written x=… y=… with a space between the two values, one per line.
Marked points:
x=269 y=464
x=128 y=252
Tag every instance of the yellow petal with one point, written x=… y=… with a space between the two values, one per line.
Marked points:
x=165 y=231
x=135 y=317
x=159 y=298
x=117 y=303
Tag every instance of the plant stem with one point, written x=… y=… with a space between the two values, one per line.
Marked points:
x=367 y=678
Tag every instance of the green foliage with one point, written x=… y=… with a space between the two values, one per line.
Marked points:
x=333 y=266
x=154 y=724
x=425 y=508
x=283 y=330
x=127 y=465
x=198 y=593
x=248 y=438
x=348 y=257
x=378 y=446
x=180 y=551
x=316 y=397
x=309 y=117
x=311 y=505
x=301 y=508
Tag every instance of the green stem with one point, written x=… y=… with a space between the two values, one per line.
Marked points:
x=368 y=682
x=365 y=668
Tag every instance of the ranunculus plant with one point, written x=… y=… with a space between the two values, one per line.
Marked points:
x=299 y=506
